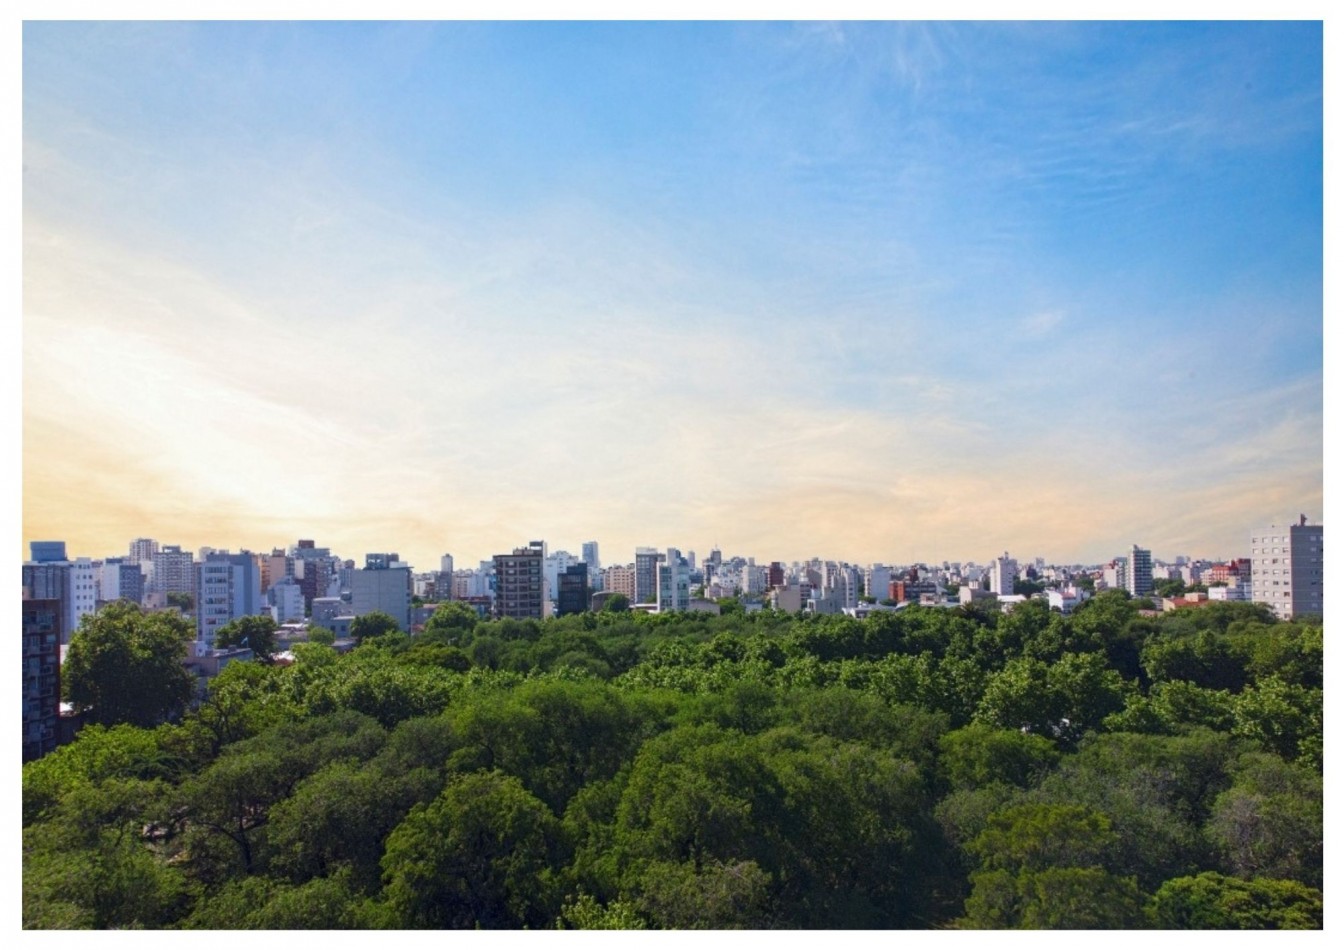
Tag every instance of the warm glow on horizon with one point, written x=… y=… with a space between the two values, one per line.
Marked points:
x=1054 y=289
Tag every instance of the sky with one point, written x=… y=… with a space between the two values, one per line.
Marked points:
x=868 y=291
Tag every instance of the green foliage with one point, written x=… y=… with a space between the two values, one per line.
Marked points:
x=585 y=913
x=256 y=632
x=978 y=755
x=1061 y=898
x=92 y=864
x=125 y=666
x=920 y=768
x=98 y=754
x=182 y=601
x=1213 y=901
x=452 y=620
x=373 y=625
x=615 y=604
x=480 y=855
x=1269 y=823
x=716 y=896
x=321 y=635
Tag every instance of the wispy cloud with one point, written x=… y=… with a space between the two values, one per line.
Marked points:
x=875 y=291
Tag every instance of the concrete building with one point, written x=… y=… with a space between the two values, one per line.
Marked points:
x=1065 y=599
x=73 y=583
x=120 y=579
x=1288 y=568
x=573 y=594
x=443 y=579
x=383 y=585
x=52 y=580
x=1139 y=577
x=594 y=562
x=620 y=579
x=327 y=609
x=646 y=574
x=41 y=677
x=174 y=571
x=142 y=549
x=228 y=586
x=286 y=601
x=879 y=581
x=82 y=598
x=1003 y=575
x=520 y=584
x=552 y=566
x=674 y=583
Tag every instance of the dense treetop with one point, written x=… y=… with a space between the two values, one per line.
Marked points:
x=927 y=768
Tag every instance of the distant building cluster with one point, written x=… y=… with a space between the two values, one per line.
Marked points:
x=306 y=586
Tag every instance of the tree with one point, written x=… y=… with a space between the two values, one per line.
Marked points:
x=256 y=632
x=372 y=625
x=1043 y=867
x=451 y=620
x=616 y=604
x=321 y=635
x=481 y=854
x=1212 y=901
x=125 y=665
x=183 y=602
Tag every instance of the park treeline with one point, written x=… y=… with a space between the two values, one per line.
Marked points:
x=926 y=768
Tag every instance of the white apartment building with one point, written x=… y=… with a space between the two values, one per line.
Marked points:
x=82 y=593
x=286 y=598
x=1003 y=575
x=228 y=586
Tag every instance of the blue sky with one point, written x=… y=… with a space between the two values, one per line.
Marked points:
x=873 y=291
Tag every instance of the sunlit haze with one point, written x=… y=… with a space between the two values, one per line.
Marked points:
x=865 y=291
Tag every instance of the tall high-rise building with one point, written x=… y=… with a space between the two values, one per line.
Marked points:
x=228 y=586
x=620 y=579
x=1288 y=568
x=594 y=562
x=1139 y=577
x=520 y=586
x=879 y=581
x=646 y=574
x=143 y=549
x=50 y=580
x=174 y=571
x=552 y=566
x=41 y=677
x=1003 y=575
x=82 y=597
x=383 y=585
x=674 y=583
x=573 y=596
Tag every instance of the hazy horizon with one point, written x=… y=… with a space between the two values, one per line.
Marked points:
x=866 y=291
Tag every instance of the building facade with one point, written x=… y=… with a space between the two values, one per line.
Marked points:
x=1139 y=577
x=228 y=586
x=574 y=594
x=520 y=584
x=1287 y=568
x=383 y=585
x=41 y=677
x=646 y=574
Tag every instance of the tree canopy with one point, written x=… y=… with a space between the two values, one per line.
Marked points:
x=125 y=666
x=927 y=768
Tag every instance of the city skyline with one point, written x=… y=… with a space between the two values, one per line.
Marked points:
x=883 y=292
